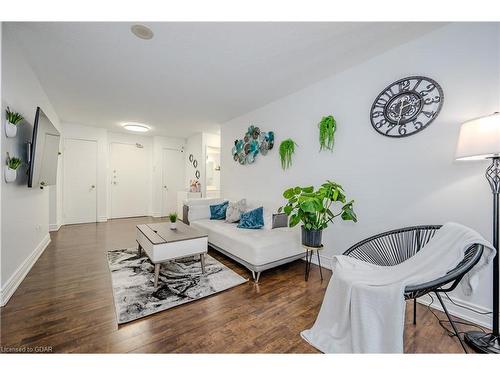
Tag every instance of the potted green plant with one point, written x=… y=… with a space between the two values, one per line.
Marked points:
x=11 y=168
x=287 y=149
x=173 y=220
x=314 y=209
x=327 y=127
x=12 y=120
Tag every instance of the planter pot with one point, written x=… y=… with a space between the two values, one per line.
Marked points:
x=173 y=226
x=311 y=237
x=10 y=129
x=10 y=174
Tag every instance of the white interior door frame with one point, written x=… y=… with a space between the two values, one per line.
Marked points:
x=64 y=182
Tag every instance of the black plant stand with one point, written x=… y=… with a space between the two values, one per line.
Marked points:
x=309 y=254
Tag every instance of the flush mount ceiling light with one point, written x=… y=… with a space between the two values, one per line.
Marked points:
x=142 y=31
x=136 y=127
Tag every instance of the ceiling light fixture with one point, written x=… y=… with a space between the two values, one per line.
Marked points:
x=142 y=31
x=136 y=127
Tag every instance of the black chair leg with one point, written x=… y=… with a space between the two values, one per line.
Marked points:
x=414 y=311
x=451 y=322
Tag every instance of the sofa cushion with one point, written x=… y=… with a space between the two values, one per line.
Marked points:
x=199 y=208
x=218 y=211
x=253 y=219
x=257 y=247
x=234 y=210
x=280 y=220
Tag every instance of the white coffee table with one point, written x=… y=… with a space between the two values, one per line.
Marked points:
x=162 y=244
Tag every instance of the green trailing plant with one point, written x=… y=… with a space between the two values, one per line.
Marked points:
x=172 y=217
x=314 y=207
x=13 y=117
x=327 y=127
x=14 y=163
x=287 y=149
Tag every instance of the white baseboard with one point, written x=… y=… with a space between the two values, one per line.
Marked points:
x=15 y=280
x=54 y=227
x=459 y=312
x=155 y=214
x=102 y=219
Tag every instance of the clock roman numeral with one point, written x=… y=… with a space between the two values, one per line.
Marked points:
x=436 y=99
x=404 y=86
x=429 y=88
x=381 y=123
x=389 y=128
x=416 y=84
x=381 y=102
x=389 y=93
x=428 y=114
x=417 y=125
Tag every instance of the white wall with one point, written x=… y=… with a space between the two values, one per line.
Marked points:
x=194 y=146
x=395 y=182
x=25 y=211
x=197 y=146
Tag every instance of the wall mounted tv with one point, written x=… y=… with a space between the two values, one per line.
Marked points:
x=44 y=152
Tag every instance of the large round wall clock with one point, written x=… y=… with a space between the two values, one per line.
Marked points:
x=407 y=106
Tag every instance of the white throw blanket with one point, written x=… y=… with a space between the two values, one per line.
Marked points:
x=363 y=310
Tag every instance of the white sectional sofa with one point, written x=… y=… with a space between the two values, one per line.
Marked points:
x=256 y=249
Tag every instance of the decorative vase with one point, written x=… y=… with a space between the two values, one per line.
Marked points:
x=311 y=237
x=10 y=174
x=10 y=129
x=173 y=225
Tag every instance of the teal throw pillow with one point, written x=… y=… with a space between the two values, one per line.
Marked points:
x=218 y=211
x=253 y=219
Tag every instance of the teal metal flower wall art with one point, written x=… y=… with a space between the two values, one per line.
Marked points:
x=254 y=142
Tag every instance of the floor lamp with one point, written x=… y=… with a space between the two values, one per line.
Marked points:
x=480 y=139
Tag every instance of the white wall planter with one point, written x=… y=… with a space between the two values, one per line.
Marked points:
x=10 y=174
x=10 y=129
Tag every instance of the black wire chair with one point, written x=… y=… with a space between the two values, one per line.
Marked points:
x=393 y=247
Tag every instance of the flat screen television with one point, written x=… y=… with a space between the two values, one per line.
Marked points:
x=44 y=152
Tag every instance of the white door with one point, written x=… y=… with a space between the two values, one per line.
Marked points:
x=80 y=181
x=173 y=167
x=130 y=173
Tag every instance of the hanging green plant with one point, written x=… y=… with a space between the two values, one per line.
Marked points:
x=287 y=149
x=14 y=163
x=13 y=117
x=327 y=127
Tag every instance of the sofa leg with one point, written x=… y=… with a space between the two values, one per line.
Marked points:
x=256 y=277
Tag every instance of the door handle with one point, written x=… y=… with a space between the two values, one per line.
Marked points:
x=165 y=187
x=92 y=186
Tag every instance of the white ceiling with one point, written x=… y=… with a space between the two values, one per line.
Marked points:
x=192 y=77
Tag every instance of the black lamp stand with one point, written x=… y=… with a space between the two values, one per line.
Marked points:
x=479 y=341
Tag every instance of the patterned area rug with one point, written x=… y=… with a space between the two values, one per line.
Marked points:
x=180 y=281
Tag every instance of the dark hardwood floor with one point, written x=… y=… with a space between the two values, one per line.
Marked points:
x=66 y=303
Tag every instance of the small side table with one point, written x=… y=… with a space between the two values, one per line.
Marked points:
x=309 y=254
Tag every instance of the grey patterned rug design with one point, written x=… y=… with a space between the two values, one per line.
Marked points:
x=180 y=281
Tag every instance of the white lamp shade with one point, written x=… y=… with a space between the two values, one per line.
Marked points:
x=479 y=138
